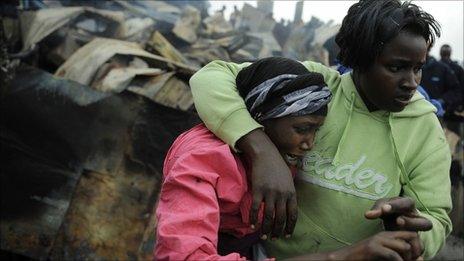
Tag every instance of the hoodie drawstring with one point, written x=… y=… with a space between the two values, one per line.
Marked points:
x=336 y=159
x=403 y=174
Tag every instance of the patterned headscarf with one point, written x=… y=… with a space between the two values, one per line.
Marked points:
x=306 y=98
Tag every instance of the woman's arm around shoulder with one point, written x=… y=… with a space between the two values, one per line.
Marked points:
x=224 y=112
x=218 y=102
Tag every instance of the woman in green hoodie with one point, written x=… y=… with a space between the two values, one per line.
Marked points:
x=380 y=161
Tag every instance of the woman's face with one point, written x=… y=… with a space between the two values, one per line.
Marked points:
x=391 y=81
x=293 y=135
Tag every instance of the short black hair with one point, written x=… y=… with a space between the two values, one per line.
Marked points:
x=369 y=24
x=445 y=51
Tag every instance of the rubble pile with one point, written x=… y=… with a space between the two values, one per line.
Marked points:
x=93 y=94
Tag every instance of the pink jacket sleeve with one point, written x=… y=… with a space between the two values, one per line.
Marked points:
x=188 y=212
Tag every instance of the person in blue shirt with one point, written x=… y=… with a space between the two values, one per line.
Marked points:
x=440 y=82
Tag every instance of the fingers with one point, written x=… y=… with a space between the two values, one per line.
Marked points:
x=280 y=211
x=279 y=219
x=373 y=214
x=376 y=210
x=399 y=242
x=416 y=248
x=404 y=235
x=407 y=255
x=399 y=205
x=399 y=246
x=254 y=211
x=385 y=253
x=385 y=207
x=268 y=220
x=413 y=223
x=389 y=223
x=292 y=215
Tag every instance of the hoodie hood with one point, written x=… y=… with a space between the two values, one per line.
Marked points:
x=418 y=106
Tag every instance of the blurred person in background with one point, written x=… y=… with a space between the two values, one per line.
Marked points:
x=445 y=54
x=441 y=84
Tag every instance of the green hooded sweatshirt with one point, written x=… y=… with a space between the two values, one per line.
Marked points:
x=358 y=157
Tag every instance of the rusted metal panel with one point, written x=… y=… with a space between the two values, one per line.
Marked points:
x=107 y=217
x=31 y=231
x=51 y=135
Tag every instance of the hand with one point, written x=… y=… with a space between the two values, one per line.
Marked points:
x=400 y=213
x=382 y=246
x=272 y=183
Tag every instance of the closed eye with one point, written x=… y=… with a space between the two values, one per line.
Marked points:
x=304 y=130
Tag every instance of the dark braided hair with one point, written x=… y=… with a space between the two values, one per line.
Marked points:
x=370 y=24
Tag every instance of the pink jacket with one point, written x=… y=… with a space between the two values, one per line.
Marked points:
x=204 y=191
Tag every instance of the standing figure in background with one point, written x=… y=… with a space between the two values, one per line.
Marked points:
x=234 y=16
x=445 y=53
x=440 y=82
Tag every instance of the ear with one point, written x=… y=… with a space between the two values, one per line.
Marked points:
x=267 y=125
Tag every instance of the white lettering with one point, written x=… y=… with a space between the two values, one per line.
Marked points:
x=348 y=171
x=363 y=175
x=381 y=187
x=351 y=174
x=319 y=166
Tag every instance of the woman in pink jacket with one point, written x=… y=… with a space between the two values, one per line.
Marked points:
x=205 y=198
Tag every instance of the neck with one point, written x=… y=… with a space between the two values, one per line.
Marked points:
x=358 y=83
